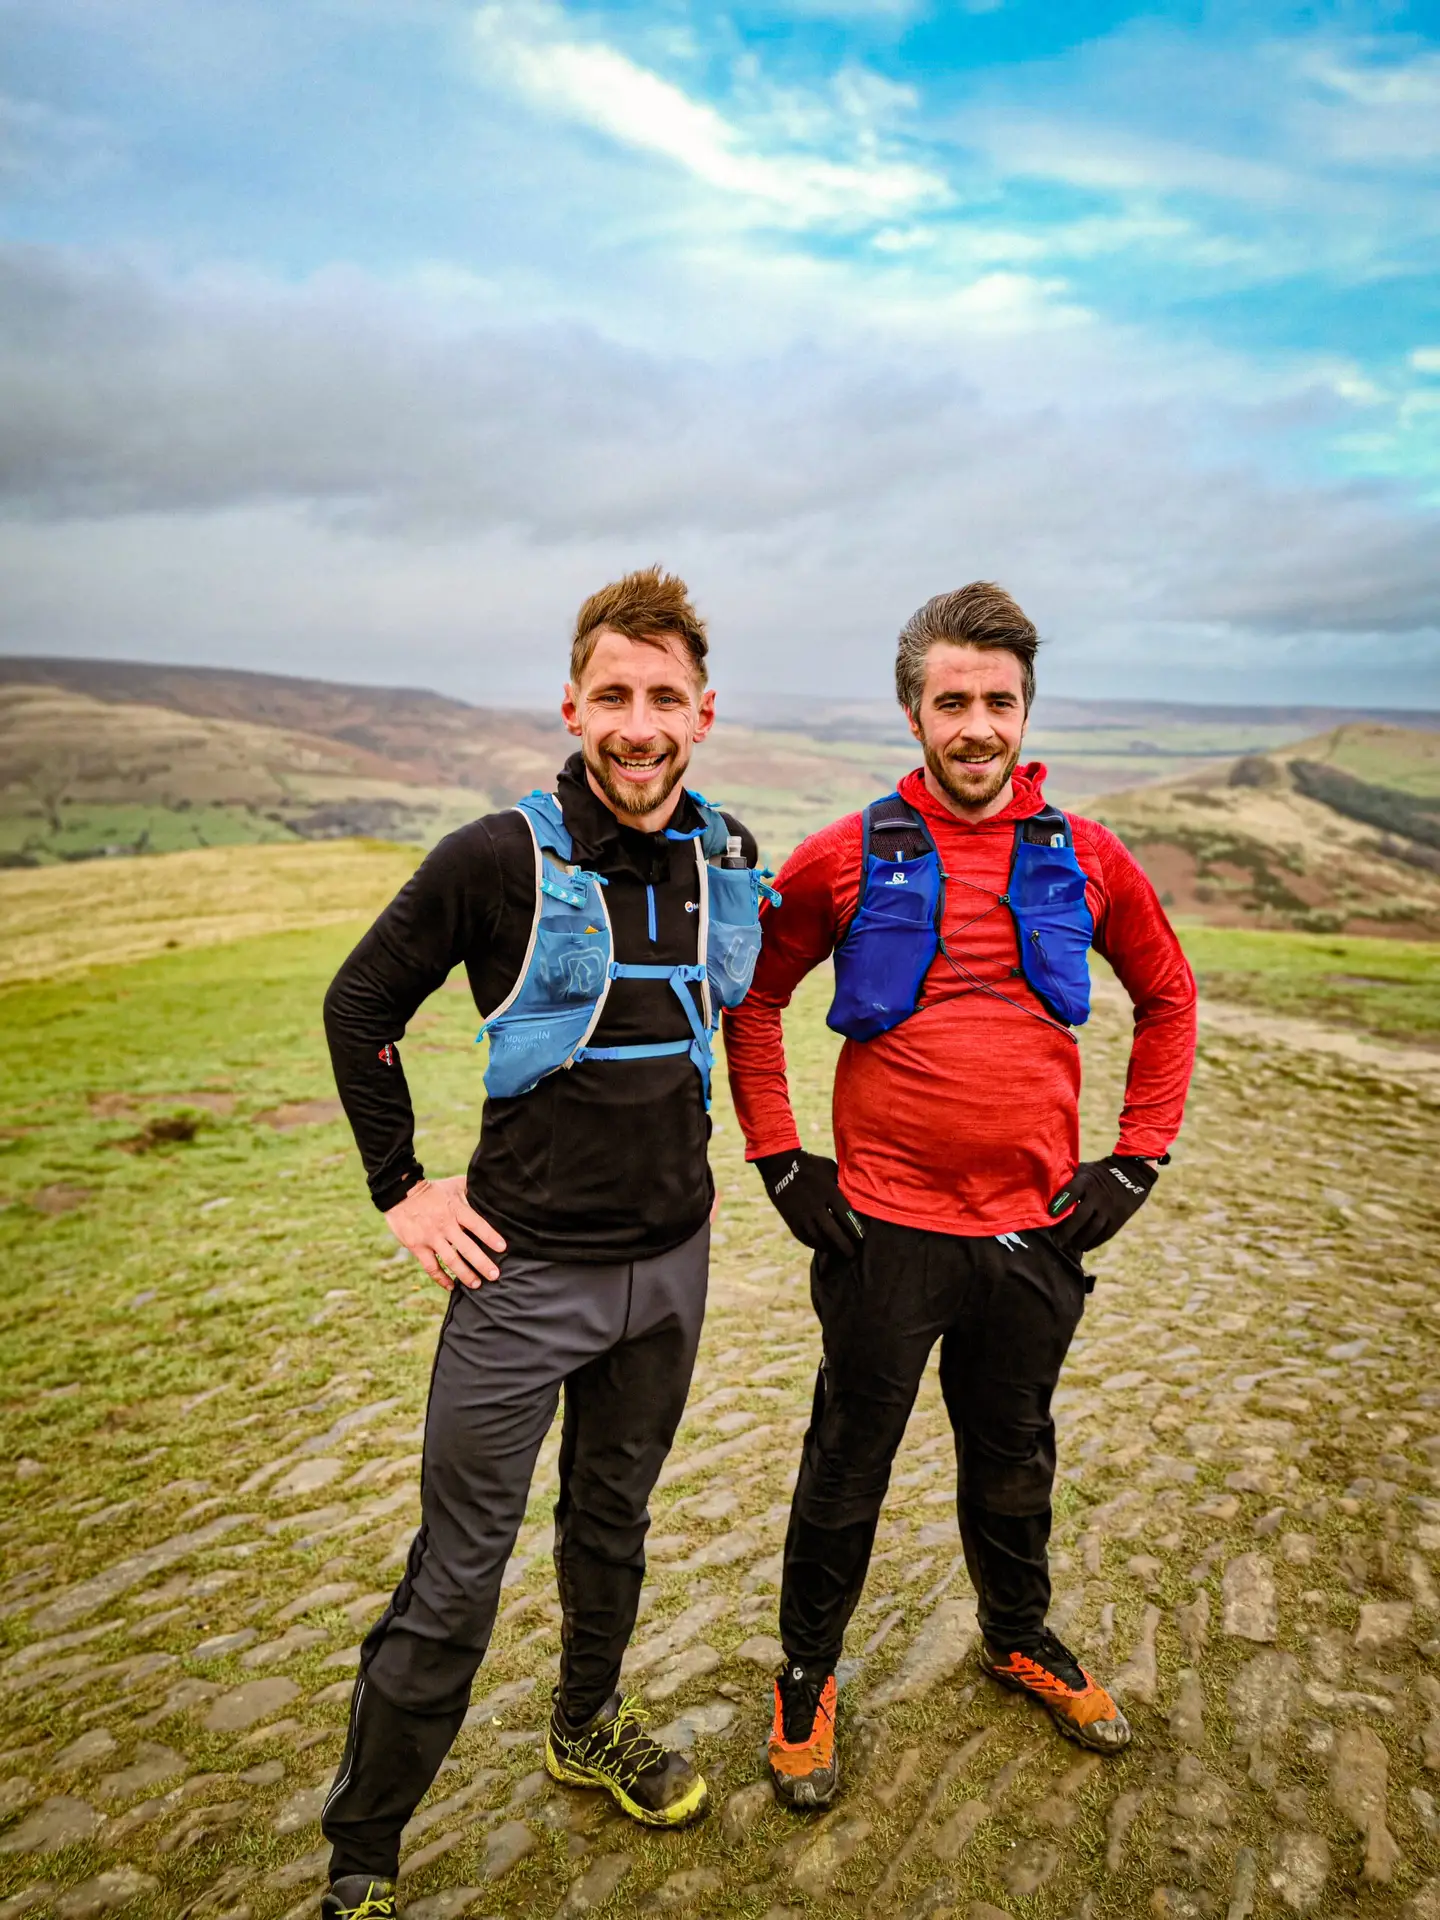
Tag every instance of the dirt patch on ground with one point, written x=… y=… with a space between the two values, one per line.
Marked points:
x=300 y=1113
x=168 y=1130
x=59 y=1198
x=125 y=1106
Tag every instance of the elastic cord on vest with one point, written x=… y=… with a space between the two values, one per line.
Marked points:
x=546 y=1021
x=892 y=942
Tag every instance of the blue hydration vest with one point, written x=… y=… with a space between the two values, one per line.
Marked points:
x=888 y=948
x=546 y=1020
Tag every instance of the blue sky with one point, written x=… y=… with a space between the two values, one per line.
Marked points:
x=363 y=338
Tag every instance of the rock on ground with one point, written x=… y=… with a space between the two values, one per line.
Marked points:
x=104 y=1893
x=58 y=1823
x=1248 y=1608
x=1358 y=1772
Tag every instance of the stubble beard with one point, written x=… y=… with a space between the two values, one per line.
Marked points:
x=624 y=795
x=968 y=793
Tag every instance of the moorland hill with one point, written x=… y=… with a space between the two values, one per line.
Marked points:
x=1338 y=833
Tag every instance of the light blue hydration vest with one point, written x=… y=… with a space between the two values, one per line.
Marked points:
x=546 y=1020
x=888 y=948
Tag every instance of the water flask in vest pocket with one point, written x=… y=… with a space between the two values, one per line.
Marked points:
x=733 y=945
x=1055 y=927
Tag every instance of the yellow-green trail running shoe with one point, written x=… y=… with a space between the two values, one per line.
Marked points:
x=612 y=1750
x=360 y=1896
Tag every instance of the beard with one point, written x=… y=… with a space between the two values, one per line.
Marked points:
x=966 y=783
x=631 y=796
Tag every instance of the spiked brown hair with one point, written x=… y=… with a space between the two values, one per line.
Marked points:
x=649 y=605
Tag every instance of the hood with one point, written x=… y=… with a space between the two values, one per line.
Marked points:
x=1027 y=797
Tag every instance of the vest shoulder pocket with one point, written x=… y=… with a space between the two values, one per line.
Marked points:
x=733 y=944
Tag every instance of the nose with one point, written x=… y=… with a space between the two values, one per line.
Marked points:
x=976 y=725
x=640 y=724
x=637 y=728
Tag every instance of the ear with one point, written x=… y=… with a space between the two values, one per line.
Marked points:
x=570 y=710
x=705 y=717
x=913 y=725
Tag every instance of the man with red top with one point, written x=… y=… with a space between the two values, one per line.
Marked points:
x=959 y=911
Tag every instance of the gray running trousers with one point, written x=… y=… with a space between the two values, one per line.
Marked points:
x=619 y=1342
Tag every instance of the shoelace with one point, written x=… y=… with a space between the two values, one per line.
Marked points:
x=381 y=1908
x=807 y=1696
x=1057 y=1658
x=632 y=1746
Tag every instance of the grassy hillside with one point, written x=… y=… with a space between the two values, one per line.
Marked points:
x=60 y=920
x=120 y=756
x=1406 y=759
x=1339 y=831
x=1252 y=844
x=1390 y=988
x=82 y=775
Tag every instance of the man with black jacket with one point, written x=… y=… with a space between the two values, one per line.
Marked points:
x=575 y=1251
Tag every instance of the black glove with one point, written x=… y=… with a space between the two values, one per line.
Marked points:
x=1104 y=1194
x=805 y=1188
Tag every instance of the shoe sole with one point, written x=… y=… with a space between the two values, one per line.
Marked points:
x=1080 y=1735
x=681 y=1814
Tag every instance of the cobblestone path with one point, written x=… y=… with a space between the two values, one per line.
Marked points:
x=1248 y=1546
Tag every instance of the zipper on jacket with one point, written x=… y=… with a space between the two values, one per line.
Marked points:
x=650 y=912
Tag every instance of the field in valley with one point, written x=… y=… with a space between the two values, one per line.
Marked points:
x=215 y=1367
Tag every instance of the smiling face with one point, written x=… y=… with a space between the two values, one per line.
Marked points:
x=971 y=724
x=638 y=710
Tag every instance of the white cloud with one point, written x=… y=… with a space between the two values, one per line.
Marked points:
x=1426 y=359
x=1079 y=152
x=1376 y=113
x=323 y=476
x=529 y=47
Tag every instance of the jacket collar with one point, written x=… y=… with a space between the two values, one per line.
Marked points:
x=599 y=838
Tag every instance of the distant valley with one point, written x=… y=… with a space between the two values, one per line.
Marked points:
x=1297 y=817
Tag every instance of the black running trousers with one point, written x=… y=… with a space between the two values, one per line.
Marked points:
x=619 y=1341
x=1004 y=1311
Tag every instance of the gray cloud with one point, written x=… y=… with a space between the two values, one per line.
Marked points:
x=232 y=468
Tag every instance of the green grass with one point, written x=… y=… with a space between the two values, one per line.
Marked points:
x=1386 y=987
x=88 y=829
x=285 y=1304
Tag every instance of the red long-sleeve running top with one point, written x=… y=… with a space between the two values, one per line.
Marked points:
x=965 y=1118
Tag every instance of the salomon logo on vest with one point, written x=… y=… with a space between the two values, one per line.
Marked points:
x=889 y=946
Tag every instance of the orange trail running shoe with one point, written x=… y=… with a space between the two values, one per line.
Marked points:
x=804 y=1769
x=1050 y=1673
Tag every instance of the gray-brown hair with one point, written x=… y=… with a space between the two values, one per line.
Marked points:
x=980 y=615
